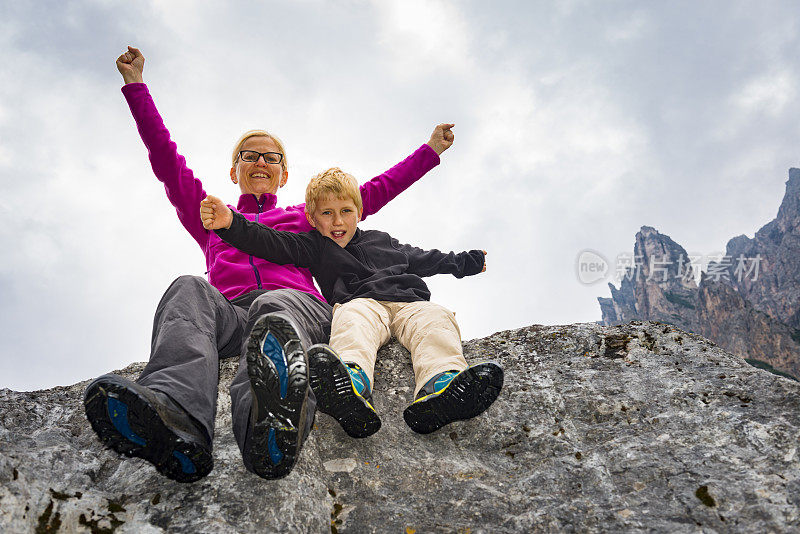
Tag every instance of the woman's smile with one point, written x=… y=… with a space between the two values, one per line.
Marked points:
x=259 y=177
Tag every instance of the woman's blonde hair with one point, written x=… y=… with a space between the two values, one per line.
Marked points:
x=333 y=182
x=258 y=133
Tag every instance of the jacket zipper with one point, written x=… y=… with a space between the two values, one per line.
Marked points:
x=362 y=256
x=252 y=263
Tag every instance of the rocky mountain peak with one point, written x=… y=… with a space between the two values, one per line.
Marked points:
x=789 y=213
x=748 y=302
x=658 y=284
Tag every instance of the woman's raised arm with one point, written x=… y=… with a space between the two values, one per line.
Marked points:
x=379 y=191
x=130 y=65
x=183 y=190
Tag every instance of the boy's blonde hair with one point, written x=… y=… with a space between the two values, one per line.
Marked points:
x=334 y=182
x=257 y=133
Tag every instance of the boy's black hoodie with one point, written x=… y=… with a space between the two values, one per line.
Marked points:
x=372 y=265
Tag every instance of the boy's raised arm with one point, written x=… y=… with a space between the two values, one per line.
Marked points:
x=255 y=238
x=215 y=214
x=429 y=262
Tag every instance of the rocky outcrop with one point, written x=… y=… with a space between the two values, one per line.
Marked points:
x=776 y=289
x=748 y=303
x=635 y=427
x=722 y=314
x=658 y=286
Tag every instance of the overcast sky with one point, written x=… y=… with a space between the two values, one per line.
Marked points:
x=576 y=124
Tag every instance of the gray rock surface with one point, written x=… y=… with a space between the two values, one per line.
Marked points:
x=639 y=427
x=752 y=313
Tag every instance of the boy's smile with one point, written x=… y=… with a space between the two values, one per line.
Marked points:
x=335 y=218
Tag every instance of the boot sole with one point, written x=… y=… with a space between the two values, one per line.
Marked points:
x=141 y=433
x=336 y=396
x=469 y=394
x=279 y=384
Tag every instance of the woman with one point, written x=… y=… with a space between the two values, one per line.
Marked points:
x=265 y=313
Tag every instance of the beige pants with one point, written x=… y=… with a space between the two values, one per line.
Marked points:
x=429 y=332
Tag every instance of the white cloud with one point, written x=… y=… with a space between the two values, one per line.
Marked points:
x=770 y=93
x=422 y=36
x=573 y=129
x=628 y=28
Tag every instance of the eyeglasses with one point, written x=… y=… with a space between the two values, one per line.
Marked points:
x=251 y=156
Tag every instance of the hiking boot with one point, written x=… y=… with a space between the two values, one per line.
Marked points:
x=343 y=392
x=454 y=396
x=135 y=420
x=278 y=369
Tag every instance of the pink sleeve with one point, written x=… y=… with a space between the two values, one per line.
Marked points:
x=184 y=191
x=376 y=193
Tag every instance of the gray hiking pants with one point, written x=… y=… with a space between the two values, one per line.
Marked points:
x=195 y=326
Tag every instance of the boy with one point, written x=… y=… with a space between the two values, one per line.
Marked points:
x=375 y=286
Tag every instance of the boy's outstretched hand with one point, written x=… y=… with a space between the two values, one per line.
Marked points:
x=215 y=214
x=131 y=64
x=442 y=138
x=484 y=261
